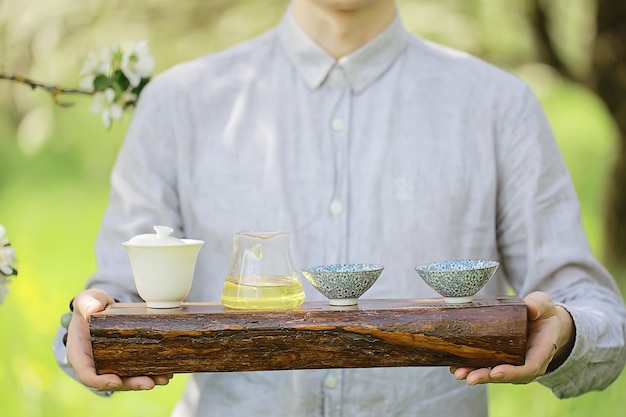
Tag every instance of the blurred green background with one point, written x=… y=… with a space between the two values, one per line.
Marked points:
x=55 y=162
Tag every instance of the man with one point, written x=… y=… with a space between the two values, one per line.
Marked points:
x=368 y=144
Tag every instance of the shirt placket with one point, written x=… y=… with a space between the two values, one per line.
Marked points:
x=338 y=124
x=332 y=389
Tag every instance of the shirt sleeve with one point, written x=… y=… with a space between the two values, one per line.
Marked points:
x=142 y=195
x=544 y=248
x=143 y=190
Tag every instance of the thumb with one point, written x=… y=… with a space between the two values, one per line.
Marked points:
x=91 y=301
x=539 y=305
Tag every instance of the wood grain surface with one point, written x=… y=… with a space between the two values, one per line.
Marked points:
x=130 y=339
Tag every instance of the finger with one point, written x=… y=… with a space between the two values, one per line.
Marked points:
x=80 y=357
x=137 y=383
x=478 y=376
x=91 y=301
x=460 y=373
x=162 y=379
x=140 y=383
x=79 y=351
x=538 y=357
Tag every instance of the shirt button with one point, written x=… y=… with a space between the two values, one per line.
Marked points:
x=330 y=381
x=336 y=207
x=337 y=76
x=337 y=125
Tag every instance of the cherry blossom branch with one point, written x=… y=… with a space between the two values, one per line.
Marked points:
x=54 y=90
x=114 y=78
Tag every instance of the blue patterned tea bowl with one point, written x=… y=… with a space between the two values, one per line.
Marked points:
x=343 y=284
x=457 y=280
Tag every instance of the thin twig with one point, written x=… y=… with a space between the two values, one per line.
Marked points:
x=54 y=90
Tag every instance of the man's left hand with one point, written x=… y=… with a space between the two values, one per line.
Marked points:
x=551 y=334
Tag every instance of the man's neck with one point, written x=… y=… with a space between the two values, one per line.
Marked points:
x=343 y=27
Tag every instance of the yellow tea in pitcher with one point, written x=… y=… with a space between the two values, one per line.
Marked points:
x=263 y=293
x=260 y=274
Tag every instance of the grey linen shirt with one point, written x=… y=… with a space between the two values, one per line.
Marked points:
x=401 y=153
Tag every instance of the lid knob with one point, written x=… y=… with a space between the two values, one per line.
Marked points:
x=161 y=238
x=163 y=231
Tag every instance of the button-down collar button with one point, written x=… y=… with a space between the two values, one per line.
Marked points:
x=337 y=76
x=337 y=124
x=336 y=207
x=330 y=381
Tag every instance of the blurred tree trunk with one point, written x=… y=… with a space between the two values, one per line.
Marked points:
x=608 y=80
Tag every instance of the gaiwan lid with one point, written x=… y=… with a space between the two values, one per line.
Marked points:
x=161 y=238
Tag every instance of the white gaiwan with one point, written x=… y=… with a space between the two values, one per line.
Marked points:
x=163 y=266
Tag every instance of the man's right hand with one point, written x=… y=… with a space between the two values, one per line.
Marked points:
x=80 y=355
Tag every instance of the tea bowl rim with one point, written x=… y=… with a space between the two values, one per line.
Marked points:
x=343 y=268
x=481 y=264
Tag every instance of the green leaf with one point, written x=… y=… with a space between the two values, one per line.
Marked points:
x=121 y=80
x=101 y=83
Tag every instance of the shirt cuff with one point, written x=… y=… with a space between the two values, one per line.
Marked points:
x=565 y=381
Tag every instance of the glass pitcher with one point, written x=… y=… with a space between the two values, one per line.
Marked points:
x=260 y=275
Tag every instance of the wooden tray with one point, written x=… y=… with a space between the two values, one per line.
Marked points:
x=130 y=339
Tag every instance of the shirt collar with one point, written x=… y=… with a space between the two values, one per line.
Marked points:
x=362 y=66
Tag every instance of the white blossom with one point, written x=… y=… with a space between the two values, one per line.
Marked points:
x=95 y=65
x=115 y=78
x=7 y=254
x=7 y=258
x=137 y=63
x=92 y=65
x=104 y=102
x=86 y=82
